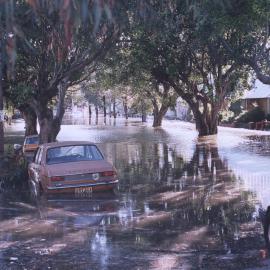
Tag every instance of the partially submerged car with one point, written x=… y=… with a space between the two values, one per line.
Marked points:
x=30 y=144
x=70 y=167
x=28 y=148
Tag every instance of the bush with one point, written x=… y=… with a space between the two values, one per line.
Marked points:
x=236 y=107
x=232 y=113
x=17 y=179
x=226 y=117
x=255 y=115
x=13 y=173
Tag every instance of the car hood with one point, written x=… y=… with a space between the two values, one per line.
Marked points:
x=81 y=167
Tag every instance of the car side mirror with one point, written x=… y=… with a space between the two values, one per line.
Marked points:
x=17 y=147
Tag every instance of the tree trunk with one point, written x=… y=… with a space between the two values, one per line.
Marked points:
x=159 y=110
x=96 y=111
x=57 y=119
x=158 y=113
x=158 y=117
x=90 y=114
x=114 y=109
x=104 y=106
x=30 y=119
x=45 y=119
x=110 y=109
x=90 y=110
x=1 y=102
x=125 y=107
x=143 y=112
x=144 y=117
x=207 y=120
x=50 y=125
x=1 y=137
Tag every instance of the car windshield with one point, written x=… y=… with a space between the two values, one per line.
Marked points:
x=32 y=140
x=73 y=153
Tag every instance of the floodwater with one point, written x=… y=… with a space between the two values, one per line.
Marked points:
x=182 y=203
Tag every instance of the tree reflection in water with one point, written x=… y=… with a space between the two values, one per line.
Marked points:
x=197 y=205
x=171 y=211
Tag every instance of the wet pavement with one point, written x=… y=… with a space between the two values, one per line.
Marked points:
x=182 y=203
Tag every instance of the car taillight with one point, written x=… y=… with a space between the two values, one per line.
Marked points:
x=57 y=178
x=108 y=173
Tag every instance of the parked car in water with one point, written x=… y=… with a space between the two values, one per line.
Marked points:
x=70 y=167
x=17 y=115
x=30 y=144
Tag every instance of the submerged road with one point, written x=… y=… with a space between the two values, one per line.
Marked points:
x=182 y=203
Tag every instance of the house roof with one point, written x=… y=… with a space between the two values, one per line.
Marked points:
x=260 y=90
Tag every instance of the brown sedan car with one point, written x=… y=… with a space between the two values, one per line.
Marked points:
x=77 y=167
x=30 y=145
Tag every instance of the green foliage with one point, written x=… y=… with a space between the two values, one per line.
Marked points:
x=92 y=93
x=56 y=41
x=234 y=111
x=247 y=21
x=13 y=170
x=236 y=108
x=74 y=17
x=184 y=48
x=255 y=115
x=19 y=93
x=197 y=47
x=17 y=177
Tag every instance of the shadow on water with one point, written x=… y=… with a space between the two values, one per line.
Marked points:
x=194 y=207
x=170 y=213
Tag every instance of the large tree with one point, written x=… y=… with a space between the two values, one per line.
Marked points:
x=18 y=94
x=6 y=57
x=57 y=41
x=249 y=22
x=181 y=48
x=129 y=78
x=52 y=66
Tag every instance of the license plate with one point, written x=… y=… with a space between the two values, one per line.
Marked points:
x=83 y=190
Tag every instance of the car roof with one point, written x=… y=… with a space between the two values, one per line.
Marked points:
x=67 y=143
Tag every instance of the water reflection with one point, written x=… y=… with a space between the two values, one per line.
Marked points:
x=171 y=212
x=258 y=144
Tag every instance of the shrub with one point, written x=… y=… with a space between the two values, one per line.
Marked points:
x=234 y=111
x=255 y=115
x=13 y=173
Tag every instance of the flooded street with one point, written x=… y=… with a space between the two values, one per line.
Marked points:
x=182 y=203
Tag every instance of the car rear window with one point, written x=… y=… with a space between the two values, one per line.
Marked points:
x=72 y=154
x=32 y=140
